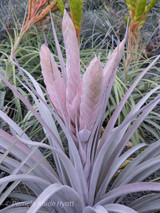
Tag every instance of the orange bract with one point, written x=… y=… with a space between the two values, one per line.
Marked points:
x=37 y=10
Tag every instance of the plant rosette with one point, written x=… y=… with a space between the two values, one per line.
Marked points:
x=85 y=179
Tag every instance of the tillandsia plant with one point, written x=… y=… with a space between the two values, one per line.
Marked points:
x=138 y=11
x=85 y=178
x=37 y=10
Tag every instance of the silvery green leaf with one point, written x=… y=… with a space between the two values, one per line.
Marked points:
x=128 y=189
x=147 y=203
x=64 y=194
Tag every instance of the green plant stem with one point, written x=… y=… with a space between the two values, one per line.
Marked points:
x=17 y=101
x=15 y=46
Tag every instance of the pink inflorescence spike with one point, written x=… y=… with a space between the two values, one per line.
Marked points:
x=78 y=99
